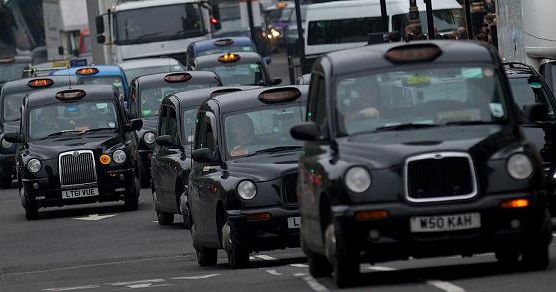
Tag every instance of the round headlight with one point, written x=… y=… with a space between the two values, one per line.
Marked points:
x=6 y=144
x=119 y=156
x=149 y=137
x=520 y=166
x=358 y=179
x=247 y=190
x=34 y=165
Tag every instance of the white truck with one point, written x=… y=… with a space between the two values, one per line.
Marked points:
x=150 y=28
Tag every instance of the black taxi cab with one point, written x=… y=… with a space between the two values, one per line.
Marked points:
x=242 y=183
x=75 y=147
x=237 y=68
x=415 y=150
x=11 y=98
x=171 y=159
x=13 y=67
x=145 y=97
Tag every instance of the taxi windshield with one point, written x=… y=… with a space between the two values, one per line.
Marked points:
x=134 y=73
x=12 y=71
x=530 y=90
x=226 y=49
x=72 y=118
x=151 y=95
x=12 y=106
x=103 y=80
x=262 y=130
x=189 y=123
x=239 y=74
x=275 y=15
x=438 y=96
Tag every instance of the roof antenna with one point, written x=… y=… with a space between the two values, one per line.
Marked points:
x=69 y=77
x=169 y=64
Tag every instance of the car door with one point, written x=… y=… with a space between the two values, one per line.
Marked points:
x=195 y=178
x=174 y=156
x=158 y=154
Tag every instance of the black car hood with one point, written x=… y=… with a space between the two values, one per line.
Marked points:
x=387 y=149
x=50 y=148
x=265 y=167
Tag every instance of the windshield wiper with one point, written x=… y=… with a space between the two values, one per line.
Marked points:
x=464 y=123
x=98 y=130
x=405 y=127
x=61 y=133
x=277 y=149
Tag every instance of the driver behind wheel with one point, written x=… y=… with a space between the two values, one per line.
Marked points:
x=243 y=134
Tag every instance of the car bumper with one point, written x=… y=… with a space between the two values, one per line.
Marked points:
x=391 y=238
x=260 y=235
x=44 y=192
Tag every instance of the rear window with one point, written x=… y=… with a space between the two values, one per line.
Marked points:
x=351 y=30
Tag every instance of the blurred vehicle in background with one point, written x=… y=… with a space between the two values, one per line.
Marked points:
x=278 y=17
x=220 y=46
x=12 y=67
x=291 y=35
x=148 y=66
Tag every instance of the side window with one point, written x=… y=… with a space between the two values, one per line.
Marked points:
x=210 y=134
x=133 y=100
x=320 y=102
x=312 y=98
x=163 y=121
x=200 y=131
x=172 y=123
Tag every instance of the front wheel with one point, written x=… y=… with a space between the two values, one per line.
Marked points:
x=319 y=266
x=132 y=196
x=164 y=218
x=343 y=259
x=238 y=256
x=536 y=255
x=31 y=213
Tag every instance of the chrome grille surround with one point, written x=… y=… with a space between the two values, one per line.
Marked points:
x=77 y=170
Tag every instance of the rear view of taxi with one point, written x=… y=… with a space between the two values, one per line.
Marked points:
x=75 y=148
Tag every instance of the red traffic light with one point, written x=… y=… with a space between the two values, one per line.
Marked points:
x=213 y=20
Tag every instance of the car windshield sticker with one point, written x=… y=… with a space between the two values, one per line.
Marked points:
x=488 y=72
x=472 y=73
x=71 y=109
x=102 y=106
x=246 y=49
x=463 y=115
x=535 y=85
x=496 y=110
x=255 y=67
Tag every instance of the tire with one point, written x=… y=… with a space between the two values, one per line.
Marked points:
x=5 y=181
x=132 y=198
x=185 y=213
x=238 y=257
x=536 y=255
x=207 y=257
x=507 y=258
x=164 y=218
x=319 y=266
x=344 y=261
x=31 y=213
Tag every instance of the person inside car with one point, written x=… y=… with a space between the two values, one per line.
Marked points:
x=243 y=134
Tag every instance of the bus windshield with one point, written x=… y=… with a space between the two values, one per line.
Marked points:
x=167 y=22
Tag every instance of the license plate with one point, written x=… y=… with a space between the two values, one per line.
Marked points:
x=294 y=222
x=82 y=193
x=445 y=223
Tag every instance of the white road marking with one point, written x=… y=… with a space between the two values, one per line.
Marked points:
x=95 y=217
x=314 y=284
x=136 y=282
x=381 y=269
x=445 y=286
x=554 y=234
x=299 y=275
x=196 y=277
x=274 y=272
x=147 y=285
x=299 y=265
x=266 y=258
x=93 y=286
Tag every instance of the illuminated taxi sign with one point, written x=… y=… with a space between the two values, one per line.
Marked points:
x=413 y=53
x=70 y=94
x=177 y=77
x=279 y=95
x=7 y=60
x=38 y=83
x=223 y=42
x=86 y=71
x=282 y=5
x=229 y=58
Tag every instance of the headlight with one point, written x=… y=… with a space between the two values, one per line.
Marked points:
x=6 y=144
x=149 y=137
x=358 y=179
x=247 y=190
x=520 y=166
x=119 y=156
x=34 y=165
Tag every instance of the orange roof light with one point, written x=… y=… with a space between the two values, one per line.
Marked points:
x=413 y=53
x=37 y=83
x=6 y=60
x=229 y=57
x=104 y=159
x=86 y=71
x=516 y=203
x=281 y=94
x=177 y=77
x=281 y=5
x=70 y=94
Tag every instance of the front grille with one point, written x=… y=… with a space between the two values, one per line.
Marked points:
x=289 y=188
x=440 y=177
x=77 y=167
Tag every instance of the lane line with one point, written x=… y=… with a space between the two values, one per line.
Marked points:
x=274 y=272
x=136 y=282
x=93 y=286
x=299 y=275
x=314 y=284
x=266 y=257
x=147 y=285
x=299 y=265
x=195 y=277
x=445 y=286
x=381 y=269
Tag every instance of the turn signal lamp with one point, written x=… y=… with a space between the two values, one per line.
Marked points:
x=413 y=53
x=371 y=215
x=258 y=217
x=177 y=77
x=229 y=57
x=513 y=204
x=86 y=71
x=104 y=159
x=281 y=94
x=70 y=94
x=38 y=83
x=7 y=60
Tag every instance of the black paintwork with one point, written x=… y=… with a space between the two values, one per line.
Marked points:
x=327 y=203
x=211 y=61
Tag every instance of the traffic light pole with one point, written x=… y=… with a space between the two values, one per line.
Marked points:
x=251 y=21
x=430 y=20
x=300 y=39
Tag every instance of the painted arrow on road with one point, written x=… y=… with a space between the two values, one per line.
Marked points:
x=95 y=217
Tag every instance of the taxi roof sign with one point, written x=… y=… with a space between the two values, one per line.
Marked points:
x=229 y=58
x=37 y=83
x=413 y=53
x=280 y=94
x=177 y=77
x=223 y=42
x=86 y=71
x=281 y=5
x=70 y=94
x=7 y=60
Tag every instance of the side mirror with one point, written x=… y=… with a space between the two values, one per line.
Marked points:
x=166 y=140
x=276 y=81
x=134 y=125
x=267 y=60
x=101 y=39
x=204 y=155
x=308 y=131
x=60 y=50
x=99 y=22
x=536 y=112
x=13 y=138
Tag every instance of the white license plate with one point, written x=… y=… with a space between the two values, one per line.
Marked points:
x=82 y=193
x=445 y=223
x=294 y=222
